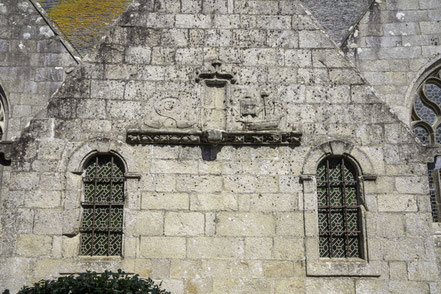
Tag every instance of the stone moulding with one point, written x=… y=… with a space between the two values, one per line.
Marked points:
x=213 y=137
x=6 y=149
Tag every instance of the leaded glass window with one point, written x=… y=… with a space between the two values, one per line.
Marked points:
x=434 y=189
x=426 y=114
x=339 y=213
x=102 y=221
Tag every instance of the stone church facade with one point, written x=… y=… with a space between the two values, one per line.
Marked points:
x=225 y=146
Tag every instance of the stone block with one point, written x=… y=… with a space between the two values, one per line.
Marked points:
x=371 y=286
x=42 y=199
x=197 y=183
x=199 y=21
x=403 y=249
x=289 y=286
x=48 y=221
x=185 y=268
x=418 y=224
x=145 y=223
x=398 y=270
x=184 y=224
x=240 y=183
x=286 y=39
x=162 y=247
x=231 y=286
x=314 y=39
x=422 y=271
x=107 y=89
x=278 y=269
x=167 y=201
x=215 y=247
x=411 y=184
x=24 y=181
x=298 y=58
x=245 y=224
x=258 y=248
x=273 y=22
x=174 y=167
x=396 y=203
x=174 y=286
x=214 y=202
x=264 y=202
x=262 y=57
x=46 y=268
x=408 y=287
x=163 y=55
x=330 y=286
x=255 y=7
x=138 y=55
x=288 y=248
x=203 y=286
x=34 y=245
x=290 y=224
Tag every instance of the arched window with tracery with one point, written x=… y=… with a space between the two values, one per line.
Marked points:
x=339 y=212
x=426 y=114
x=103 y=205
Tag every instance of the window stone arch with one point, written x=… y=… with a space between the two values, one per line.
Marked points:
x=74 y=163
x=102 y=206
x=339 y=212
x=367 y=263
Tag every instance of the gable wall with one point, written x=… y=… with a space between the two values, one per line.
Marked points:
x=230 y=219
x=32 y=62
x=394 y=42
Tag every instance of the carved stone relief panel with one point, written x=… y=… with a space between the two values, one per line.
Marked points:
x=216 y=111
x=254 y=109
x=216 y=87
x=172 y=112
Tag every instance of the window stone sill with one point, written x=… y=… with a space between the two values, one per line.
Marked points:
x=343 y=268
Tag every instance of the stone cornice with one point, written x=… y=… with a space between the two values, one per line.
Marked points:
x=213 y=137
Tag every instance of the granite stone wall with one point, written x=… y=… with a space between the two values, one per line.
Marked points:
x=395 y=42
x=214 y=217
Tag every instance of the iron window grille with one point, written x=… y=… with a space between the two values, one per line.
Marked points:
x=102 y=220
x=339 y=212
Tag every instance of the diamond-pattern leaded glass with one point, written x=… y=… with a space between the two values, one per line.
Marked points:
x=434 y=188
x=102 y=221
x=427 y=111
x=338 y=209
x=422 y=134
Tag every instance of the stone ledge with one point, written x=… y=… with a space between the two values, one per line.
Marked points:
x=6 y=149
x=214 y=137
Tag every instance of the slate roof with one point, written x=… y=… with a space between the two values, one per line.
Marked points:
x=337 y=16
x=84 y=22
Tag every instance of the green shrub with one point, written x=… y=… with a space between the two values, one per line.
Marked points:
x=92 y=282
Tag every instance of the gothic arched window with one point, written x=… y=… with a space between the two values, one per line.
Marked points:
x=339 y=212
x=102 y=220
x=426 y=113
